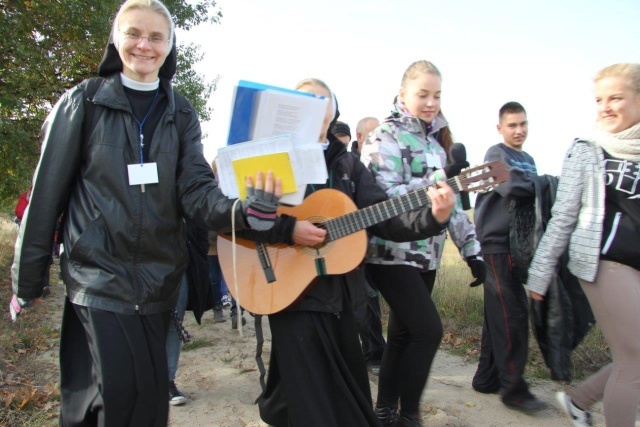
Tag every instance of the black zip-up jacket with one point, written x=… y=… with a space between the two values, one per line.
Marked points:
x=348 y=175
x=124 y=249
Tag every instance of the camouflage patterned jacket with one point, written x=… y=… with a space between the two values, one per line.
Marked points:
x=404 y=159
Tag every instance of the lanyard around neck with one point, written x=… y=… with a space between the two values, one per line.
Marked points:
x=141 y=125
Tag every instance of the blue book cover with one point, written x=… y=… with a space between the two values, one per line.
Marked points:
x=243 y=108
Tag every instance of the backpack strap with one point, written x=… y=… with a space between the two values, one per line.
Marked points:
x=181 y=116
x=92 y=111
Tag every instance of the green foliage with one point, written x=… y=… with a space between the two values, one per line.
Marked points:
x=49 y=46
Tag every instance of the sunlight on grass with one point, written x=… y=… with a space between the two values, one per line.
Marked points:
x=8 y=235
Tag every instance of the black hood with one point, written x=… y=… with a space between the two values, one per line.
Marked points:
x=336 y=115
x=111 y=62
x=336 y=147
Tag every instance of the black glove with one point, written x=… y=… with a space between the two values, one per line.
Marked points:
x=455 y=168
x=478 y=269
x=260 y=209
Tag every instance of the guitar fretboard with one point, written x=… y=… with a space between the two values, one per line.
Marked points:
x=374 y=214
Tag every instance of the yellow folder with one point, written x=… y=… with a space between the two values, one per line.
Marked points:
x=278 y=163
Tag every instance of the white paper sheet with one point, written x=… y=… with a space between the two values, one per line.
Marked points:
x=226 y=156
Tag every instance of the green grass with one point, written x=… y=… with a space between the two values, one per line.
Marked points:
x=197 y=343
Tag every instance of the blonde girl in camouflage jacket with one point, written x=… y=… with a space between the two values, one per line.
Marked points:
x=404 y=157
x=405 y=153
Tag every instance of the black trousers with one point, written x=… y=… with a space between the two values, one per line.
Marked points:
x=413 y=337
x=317 y=375
x=113 y=369
x=505 y=332
x=371 y=336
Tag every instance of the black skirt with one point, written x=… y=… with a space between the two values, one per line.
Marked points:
x=317 y=373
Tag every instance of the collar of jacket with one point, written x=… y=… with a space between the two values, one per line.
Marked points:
x=111 y=94
x=412 y=124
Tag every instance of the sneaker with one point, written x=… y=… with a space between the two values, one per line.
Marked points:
x=527 y=405
x=226 y=301
x=234 y=321
x=175 y=396
x=218 y=315
x=580 y=418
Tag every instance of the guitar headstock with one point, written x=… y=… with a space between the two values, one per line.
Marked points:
x=482 y=178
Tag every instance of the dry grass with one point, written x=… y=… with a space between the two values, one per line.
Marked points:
x=8 y=234
x=29 y=394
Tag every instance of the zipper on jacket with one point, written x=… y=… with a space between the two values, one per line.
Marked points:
x=612 y=235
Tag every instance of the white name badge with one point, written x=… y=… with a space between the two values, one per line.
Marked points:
x=433 y=160
x=140 y=174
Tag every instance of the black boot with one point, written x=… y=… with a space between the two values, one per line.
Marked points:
x=387 y=416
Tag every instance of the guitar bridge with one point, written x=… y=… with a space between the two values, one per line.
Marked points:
x=321 y=267
x=265 y=262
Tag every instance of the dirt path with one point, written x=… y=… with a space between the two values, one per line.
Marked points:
x=220 y=379
x=221 y=382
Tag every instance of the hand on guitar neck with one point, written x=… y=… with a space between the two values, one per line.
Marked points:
x=443 y=200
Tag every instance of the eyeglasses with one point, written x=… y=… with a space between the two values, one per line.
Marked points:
x=129 y=35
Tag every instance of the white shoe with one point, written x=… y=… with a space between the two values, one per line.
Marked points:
x=226 y=301
x=579 y=417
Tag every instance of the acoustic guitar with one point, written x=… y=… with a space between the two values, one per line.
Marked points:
x=272 y=277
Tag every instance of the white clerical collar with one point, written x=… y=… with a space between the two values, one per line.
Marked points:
x=136 y=85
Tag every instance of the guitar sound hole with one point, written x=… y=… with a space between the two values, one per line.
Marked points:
x=322 y=248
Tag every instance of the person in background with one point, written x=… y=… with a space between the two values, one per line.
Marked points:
x=597 y=216
x=224 y=291
x=409 y=151
x=124 y=189
x=317 y=373
x=505 y=329
x=215 y=273
x=342 y=131
x=371 y=335
x=215 y=278
x=363 y=129
x=21 y=205
x=194 y=295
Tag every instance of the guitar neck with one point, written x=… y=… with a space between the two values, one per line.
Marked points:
x=374 y=214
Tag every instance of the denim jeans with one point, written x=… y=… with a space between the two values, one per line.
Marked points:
x=174 y=345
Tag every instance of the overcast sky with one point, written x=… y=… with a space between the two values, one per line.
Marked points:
x=541 y=53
